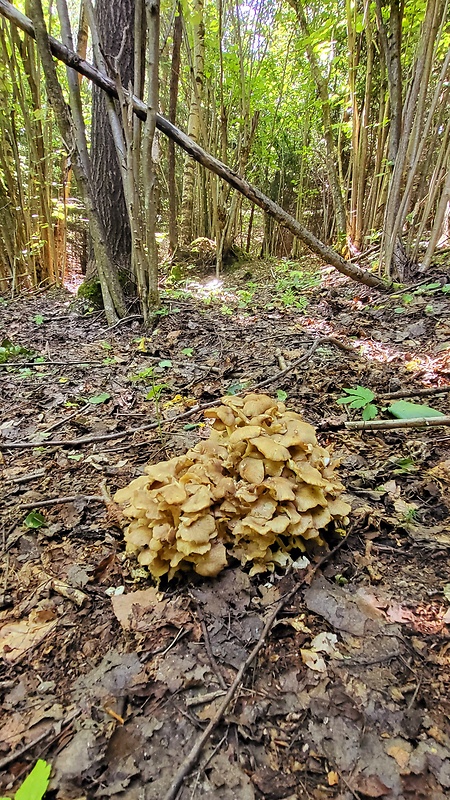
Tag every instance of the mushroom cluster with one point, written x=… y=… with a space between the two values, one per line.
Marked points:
x=258 y=489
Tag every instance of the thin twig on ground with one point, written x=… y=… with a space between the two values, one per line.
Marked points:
x=192 y=757
x=387 y=424
x=58 y=501
x=185 y=415
x=413 y=393
x=17 y=754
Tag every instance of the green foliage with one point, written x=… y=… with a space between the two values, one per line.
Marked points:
x=98 y=399
x=34 y=520
x=360 y=398
x=35 y=784
x=144 y=375
x=9 y=351
x=38 y=319
x=403 y=409
x=156 y=391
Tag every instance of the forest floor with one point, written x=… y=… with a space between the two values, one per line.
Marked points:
x=112 y=681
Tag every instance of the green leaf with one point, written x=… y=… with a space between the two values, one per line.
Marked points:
x=191 y=425
x=447 y=591
x=369 y=412
x=343 y=400
x=358 y=402
x=165 y=363
x=156 y=391
x=235 y=388
x=34 y=520
x=36 y=783
x=99 y=398
x=188 y=351
x=403 y=409
x=39 y=319
x=281 y=395
x=359 y=397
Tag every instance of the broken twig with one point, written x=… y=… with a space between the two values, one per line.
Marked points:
x=193 y=755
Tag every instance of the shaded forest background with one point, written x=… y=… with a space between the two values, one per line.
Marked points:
x=337 y=111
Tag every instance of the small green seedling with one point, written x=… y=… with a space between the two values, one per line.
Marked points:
x=34 y=520
x=156 y=391
x=99 y=398
x=360 y=398
x=36 y=784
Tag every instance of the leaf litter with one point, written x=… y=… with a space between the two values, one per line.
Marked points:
x=110 y=678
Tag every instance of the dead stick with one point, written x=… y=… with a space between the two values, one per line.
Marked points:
x=53 y=363
x=58 y=501
x=9 y=759
x=391 y=424
x=413 y=393
x=305 y=357
x=193 y=755
x=108 y=437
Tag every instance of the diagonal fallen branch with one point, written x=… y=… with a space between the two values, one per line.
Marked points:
x=71 y=59
x=192 y=757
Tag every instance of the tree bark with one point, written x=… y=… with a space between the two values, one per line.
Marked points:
x=327 y=254
x=194 y=120
x=173 y=98
x=70 y=133
x=115 y=25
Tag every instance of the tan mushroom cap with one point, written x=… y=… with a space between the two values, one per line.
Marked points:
x=280 y=488
x=197 y=531
x=124 y=495
x=298 y=433
x=244 y=433
x=270 y=449
x=251 y=470
x=255 y=404
x=213 y=562
x=199 y=500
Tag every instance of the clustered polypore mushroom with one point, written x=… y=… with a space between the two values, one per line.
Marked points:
x=258 y=489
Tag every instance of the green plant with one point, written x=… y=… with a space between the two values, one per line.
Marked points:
x=156 y=391
x=34 y=520
x=9 y=350
x=98 y=399
x=360 y=398
x=291 y=299
x=410 y=516
x=144 y=375
x=35 y=784
x=245 y=297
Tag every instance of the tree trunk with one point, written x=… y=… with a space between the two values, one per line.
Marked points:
x=115 y=23
x=70 y=133
x=194 y=120
x=173 y=98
